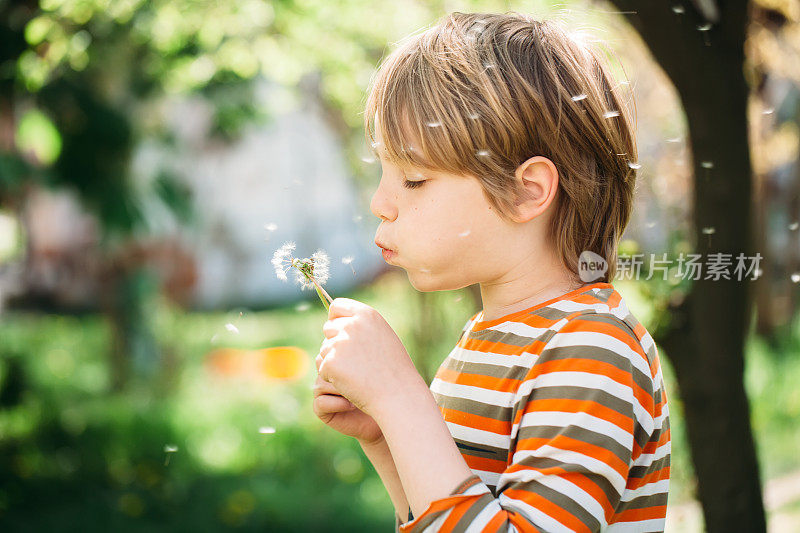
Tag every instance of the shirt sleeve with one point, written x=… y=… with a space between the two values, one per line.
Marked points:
x=582 y=413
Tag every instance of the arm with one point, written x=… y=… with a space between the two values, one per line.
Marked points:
x=381 y=458
x=580 y=417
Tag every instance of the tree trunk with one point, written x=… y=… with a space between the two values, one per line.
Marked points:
x=706 y=342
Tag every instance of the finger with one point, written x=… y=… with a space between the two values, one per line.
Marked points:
x=327 y=404
x=323 y=387
x=343 y=307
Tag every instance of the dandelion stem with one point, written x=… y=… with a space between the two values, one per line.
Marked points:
x=321 y=292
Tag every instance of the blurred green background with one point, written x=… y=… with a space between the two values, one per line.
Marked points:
x=134 y=408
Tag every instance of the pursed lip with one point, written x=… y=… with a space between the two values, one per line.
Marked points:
x=381 y=245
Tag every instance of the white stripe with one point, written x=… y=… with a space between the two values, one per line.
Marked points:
x=482 y=518
x=569 y=306
x=488 y=477
x=602 y=340
x=656 y=487
x=656 y=524
x=519 y=328
x=572 y=457
x=581 y=419
x=646 y=459
x=560 y=485
x=534 y=515
x=478 y=436
x=525 y=359
x=457 y=390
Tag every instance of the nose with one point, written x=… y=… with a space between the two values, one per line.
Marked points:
x=381 y=204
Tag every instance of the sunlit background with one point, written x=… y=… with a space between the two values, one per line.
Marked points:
x=156 y=375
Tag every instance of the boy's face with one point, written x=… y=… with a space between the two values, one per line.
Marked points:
x=444 y=232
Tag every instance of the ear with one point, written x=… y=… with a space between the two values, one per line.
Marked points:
x=539 y=178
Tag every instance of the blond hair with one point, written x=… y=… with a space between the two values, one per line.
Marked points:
x=480 y=93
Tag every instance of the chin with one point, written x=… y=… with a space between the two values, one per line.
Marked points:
x=424 y=282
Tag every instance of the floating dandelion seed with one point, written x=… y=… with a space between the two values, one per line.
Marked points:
x=650 y=224
x=271 y=226
x=677 y=9
x=458 y=299
x=311 y=272
x=674 y=140
x=347 y=260
x=757 y=273
x=704 y=27
x=266 y=430
x=579 y=97
x=214 y=338
x=709 y=230
x=634 y=166
x=474 y=116
x=795 y=277
x=464 y=233
x=610 y=114
x=707 y=164
x=487 y=66
x=357 y=218
x=231 y=328
x=169 y=449
x=434 y=124
x=768 y=111
x=483 y=153
x=794 y=225
x=302 y=306
x=368 y=160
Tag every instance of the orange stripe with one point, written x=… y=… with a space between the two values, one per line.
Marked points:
x=544 y=505
x=645 y=513
x=618 y=332
x=449 y=375
x=569 y=405
x=476 y=421
x=658 y=475
x=483 y=463
x=455 y=515
x=440 y=505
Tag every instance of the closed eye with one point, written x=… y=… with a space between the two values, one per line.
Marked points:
x=413 y=184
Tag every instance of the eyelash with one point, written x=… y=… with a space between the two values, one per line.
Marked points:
x=413 y=184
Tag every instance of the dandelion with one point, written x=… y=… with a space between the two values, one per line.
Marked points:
x=169 y=449
x=347 y=260
x=311 y=272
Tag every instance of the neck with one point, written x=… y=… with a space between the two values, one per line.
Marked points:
x=527 y=284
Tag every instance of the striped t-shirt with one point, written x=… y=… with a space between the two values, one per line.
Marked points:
x=560 y=412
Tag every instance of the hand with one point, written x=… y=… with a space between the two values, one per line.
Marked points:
x=364 y=359
x=337 y=412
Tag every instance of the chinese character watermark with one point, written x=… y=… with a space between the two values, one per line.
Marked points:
x=717 y=266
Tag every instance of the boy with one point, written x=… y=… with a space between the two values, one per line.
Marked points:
x=506 y=156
